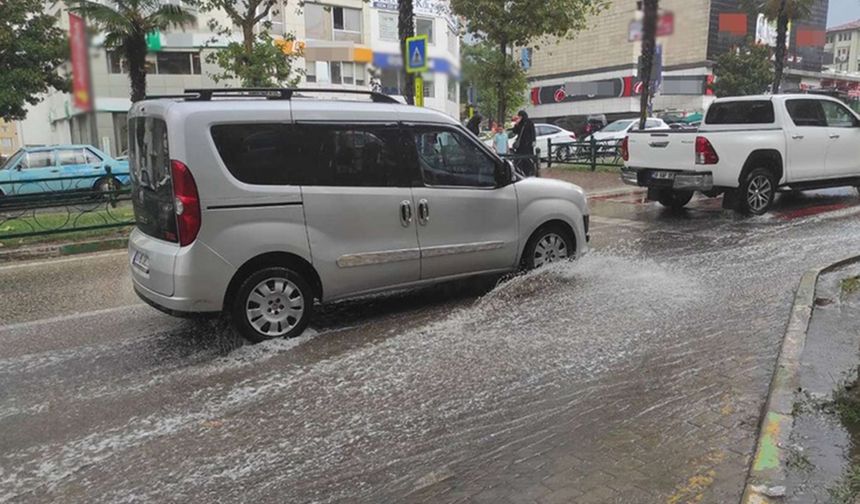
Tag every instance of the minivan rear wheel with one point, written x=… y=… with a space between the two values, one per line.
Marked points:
x=274 y=302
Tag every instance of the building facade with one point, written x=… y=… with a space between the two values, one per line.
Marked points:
x=596 y=72
x=345 y=44
x=843 y=48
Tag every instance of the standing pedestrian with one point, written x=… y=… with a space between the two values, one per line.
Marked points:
x=524 y=145
x=474 y=124
x=500 y=139
x=524 y=129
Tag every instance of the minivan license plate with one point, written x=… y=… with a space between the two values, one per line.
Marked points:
x=141 y=261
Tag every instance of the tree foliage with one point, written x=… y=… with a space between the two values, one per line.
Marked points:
x=747 y=70
x=125 y=24
x=32 y=48
x=784 y=12
x=510 y=23
x=261 y=59
x=484 y=68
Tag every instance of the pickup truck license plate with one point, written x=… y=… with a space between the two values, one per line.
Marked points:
x=141 y=261
x=663 y=175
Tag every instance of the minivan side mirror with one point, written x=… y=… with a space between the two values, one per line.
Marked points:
x=504 y=173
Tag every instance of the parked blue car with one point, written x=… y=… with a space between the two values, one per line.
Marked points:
x=59 y=168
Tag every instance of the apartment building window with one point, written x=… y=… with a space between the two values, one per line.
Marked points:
x=452 y=89
x=346 y=23
x=452 y=41
x=424 y=27
x=429 y=86
x=161 y=63
x=392 y=81
x=315 y=22
x=388 y=26
x=336 y=72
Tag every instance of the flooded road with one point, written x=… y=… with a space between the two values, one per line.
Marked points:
x=635 y=374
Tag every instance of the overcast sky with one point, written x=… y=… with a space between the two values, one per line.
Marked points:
x=843 y=11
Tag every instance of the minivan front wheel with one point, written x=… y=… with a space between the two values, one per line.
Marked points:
x=549 y=244
x=274 y=302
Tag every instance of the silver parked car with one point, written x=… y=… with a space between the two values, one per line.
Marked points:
x=258 y=205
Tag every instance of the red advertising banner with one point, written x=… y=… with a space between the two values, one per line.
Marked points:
x=80 y=63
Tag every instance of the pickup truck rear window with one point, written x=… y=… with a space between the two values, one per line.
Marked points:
x=741 y=112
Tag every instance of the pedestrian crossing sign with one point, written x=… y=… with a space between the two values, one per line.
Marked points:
x=416 y=54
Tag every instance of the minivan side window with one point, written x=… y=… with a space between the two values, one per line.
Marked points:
x=448 y=158
x=837 y=115
x=806 y=112
x=352 y=156
x=259 y=153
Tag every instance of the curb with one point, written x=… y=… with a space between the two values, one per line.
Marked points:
x=766 y=478
x=61 y=249
x=609 y=193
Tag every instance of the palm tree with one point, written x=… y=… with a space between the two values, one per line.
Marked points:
x=125 y=26
x=784 y=11
x=405 y=29
x=649 y=45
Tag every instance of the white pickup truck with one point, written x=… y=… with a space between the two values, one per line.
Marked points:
x=747 y=149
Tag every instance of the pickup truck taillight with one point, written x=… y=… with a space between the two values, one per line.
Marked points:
x=186 y=203
x=625 y=151
x=705 y=153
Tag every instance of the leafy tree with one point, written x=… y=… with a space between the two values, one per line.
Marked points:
x=483 y=67
x=784 y=11
x=125 y=24
x=260 y=60
x=744 y=71
x=406 y=29
x=32 y=47
x=650 y=9
x=510 y=23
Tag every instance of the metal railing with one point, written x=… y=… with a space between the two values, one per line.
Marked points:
x=527 y=164
x=592 y=152
x=49 y=206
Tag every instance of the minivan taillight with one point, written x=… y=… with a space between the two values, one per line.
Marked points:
x=625 y=149
x=186 y=203
x=705 y=153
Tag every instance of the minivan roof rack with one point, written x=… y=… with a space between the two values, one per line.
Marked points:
x=207 y=94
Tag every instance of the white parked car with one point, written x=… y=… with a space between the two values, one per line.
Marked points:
x=748 y=148
x=257 y=207
x=611 y=136
x=561 y=139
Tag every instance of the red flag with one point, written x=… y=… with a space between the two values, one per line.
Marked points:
x=80 y=63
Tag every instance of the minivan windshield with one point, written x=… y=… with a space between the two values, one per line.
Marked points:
x=617 y=126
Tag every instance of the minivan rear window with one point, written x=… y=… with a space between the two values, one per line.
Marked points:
x=741 y=112
x=152 y=189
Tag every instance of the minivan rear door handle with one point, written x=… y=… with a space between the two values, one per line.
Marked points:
x=405 y=213
x=423 y=212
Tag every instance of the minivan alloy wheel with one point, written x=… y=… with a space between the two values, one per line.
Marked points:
x=550 y=248
x=275 y=306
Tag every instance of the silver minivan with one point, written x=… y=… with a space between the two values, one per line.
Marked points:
x=257 y=203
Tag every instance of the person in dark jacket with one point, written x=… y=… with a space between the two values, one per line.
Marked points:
x=524 y=130
x=474 y=124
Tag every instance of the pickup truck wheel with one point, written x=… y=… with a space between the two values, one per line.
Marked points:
x=757 y=192
x=674 y=199
x=273 y=302
x=551 y=243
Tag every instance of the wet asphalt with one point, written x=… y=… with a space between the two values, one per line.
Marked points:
x=635 y=374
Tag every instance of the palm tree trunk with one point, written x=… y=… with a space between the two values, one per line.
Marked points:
x=136 y=56
x=649 y=45
x=779 y=53
x=405 y=29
